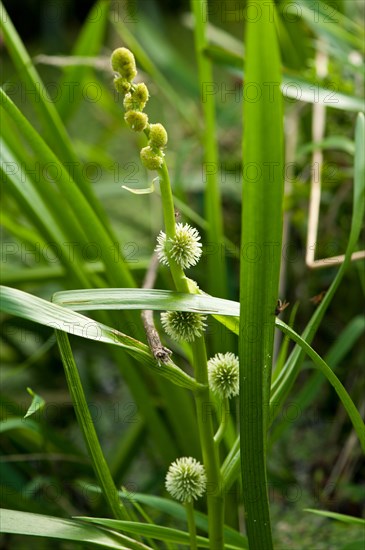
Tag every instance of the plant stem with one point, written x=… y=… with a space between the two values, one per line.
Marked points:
x=204 y=406
x=189 y=506
x=224 y=418
x=86 y=424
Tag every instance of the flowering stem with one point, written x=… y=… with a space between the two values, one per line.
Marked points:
x=202 y=397
x=204 y=409
x=191 y=524
x=224 y=420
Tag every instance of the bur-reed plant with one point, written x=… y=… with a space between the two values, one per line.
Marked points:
x=228 y=449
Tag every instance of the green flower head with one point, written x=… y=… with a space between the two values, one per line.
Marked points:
x=184 y=248
x=223 y=373
x=186 y=479
x=183 y=325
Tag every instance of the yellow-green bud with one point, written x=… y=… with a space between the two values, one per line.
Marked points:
x=157 y=136
x=122 y=85
x=136 y=100
x=128 y=103
x=141 y=94
x=136 y=120
x=123 y=62
x=150 y=158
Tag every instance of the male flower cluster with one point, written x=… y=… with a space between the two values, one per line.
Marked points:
x=135 y=99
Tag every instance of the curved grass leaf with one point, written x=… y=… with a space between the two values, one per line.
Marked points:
x=19 y=303
x=166 y=534
x=22 y=304
x=138 y=298
x=283 y=384
x=340 y=517
x=333 y=358
x=346 y=400
x=175 y=510
x=87 y=428
x=36 y=525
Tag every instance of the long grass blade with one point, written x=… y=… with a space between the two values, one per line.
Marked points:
x=262 y=197
x=22 y=304
x=86 y=425
x=36 y=525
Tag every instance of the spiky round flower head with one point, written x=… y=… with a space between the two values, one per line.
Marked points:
x=183 y=325
x=223 y=373
x=136 y=100
x=136 y=120
x=121 y=84
x=123 y=62
x=184 y=247
x=158 y=136
x=151 y=158
x=186 y=479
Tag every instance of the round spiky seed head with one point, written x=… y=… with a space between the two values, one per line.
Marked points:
x=223 y=373
x=136 y=120
x=121 y=84
x=186 y=479
x=184 y=248
x=183 y=325
x=123 y=62
x=158 y=136
x=151 y=158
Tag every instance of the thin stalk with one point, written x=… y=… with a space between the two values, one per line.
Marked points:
x=202 y=397
x=204 y=409
x=85 y=422
x=189 y=506
x=224 y=421
x=217 y=283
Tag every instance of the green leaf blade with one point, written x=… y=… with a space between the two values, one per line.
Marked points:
x=262 y=196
